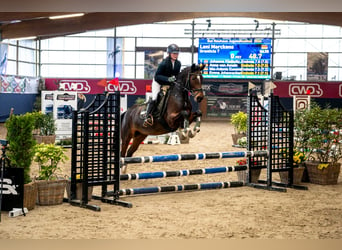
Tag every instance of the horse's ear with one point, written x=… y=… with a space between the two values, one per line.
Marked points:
x=202 y=66
x=193 y=67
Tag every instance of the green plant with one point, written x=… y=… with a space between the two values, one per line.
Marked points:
x=48 y=156
x=318 y=133
x=239 y=121
x=21 y=143
x=44 y=123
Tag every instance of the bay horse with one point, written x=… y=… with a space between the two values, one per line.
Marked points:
x=177 y=111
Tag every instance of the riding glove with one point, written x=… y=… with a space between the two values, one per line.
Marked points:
x=171 y=79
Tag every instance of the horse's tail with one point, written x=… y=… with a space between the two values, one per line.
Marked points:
x=123 y=116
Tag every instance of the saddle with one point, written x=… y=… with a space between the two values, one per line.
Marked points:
x=161 y=104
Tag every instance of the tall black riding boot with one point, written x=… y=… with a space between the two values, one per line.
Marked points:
x=149 y=117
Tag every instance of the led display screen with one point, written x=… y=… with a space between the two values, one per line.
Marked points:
x=236 y=58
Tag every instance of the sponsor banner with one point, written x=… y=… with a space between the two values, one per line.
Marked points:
x=225 y=106
x=60 y=104
x=114 y=57
x=152 y=59
x=317 y=66
x=95 y=86
x=3 y=58
x=12 y=190
x=314 y=89
x=18 y=84
x=225 y=88
x=138 y=87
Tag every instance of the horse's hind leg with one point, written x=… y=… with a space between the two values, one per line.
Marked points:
x=135 y=144
x=124 y=146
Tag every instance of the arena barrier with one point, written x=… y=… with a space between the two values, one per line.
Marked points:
x=96 y=157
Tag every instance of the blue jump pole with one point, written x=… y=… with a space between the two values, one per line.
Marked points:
x=179 y=188
x=176 y=173
x=192 y=156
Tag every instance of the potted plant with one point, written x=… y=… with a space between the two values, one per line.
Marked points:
x=239 y=121
x=318 y=133
x=21 y=151
x=243 y=175
x=45 y=128
x=50 y=186
x=79 y=186
x=298 y=167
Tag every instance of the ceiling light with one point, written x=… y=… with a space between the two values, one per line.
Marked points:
x=25 y=38
x=67 y=16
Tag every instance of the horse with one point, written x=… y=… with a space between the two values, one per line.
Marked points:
x=177 y=111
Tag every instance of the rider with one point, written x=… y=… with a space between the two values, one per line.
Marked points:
x=166 y=74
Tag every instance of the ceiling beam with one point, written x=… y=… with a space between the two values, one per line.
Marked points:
x=38 y=24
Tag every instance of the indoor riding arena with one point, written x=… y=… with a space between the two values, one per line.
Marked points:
x=178 y=185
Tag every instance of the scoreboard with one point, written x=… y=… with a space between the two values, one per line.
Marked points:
x=236 y=58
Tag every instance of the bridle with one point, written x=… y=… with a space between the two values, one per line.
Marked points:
x=187 y=86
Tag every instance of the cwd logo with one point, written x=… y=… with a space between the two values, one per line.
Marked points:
x=314 y=89
x=8 y=188
x=75 y=85
x=126 y=87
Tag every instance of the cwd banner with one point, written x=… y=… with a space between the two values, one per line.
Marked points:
x=314 y=89
x=98 y=86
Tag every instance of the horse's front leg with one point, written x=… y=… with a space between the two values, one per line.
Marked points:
x=186 y=115
x=195 y=115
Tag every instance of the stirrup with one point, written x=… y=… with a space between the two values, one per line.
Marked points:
x=148 y=121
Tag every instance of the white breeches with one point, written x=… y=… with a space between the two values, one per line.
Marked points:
x=155 y=89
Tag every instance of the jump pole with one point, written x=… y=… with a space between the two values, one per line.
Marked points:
x=192 y=156
x=179 y=188
x=177 y=173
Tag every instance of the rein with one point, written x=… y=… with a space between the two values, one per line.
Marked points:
x=187 y=86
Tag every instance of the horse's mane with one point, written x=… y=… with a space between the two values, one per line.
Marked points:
x=182 y=76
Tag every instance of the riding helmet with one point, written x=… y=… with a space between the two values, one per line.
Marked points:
x=172 y=48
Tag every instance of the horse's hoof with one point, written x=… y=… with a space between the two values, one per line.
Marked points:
x=123 y=169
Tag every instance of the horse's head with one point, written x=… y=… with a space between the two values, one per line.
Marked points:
x=195 y=79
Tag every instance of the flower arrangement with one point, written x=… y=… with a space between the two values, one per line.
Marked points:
x=242 y=141
x=48 y=156
x=241 y=162
x=298 y=156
